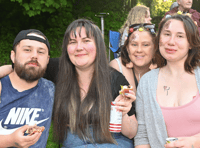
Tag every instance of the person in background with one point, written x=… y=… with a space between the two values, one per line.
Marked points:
x=174 y=4
x=184 y=6
x=138 y=14
x=138 y=50
x=26 y=99
x=168 y=97
x=85 y=88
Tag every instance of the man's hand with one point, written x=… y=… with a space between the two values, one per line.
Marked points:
x=21 y=141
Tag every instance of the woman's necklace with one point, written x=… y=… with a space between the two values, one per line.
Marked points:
x=135 y=79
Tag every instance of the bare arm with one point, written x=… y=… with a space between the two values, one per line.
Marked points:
x=114 y=64
x=143 y=146
x=129 y=126
x=5 y=70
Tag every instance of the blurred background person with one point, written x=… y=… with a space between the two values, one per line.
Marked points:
x=184 y=6
x=138 y=14
x=174 y=4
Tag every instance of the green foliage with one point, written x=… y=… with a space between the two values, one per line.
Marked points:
x=13 y=20
x=196 y=4
x=50 y=141
x=6 y=47
x=58 y=22
x=35 y=7
x=158 y=10
x=147 y=3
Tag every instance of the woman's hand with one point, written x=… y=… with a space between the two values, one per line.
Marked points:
x=124 y=103
x=129 y=123
x=182 y=142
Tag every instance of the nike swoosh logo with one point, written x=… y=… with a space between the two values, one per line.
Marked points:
x=4 y=131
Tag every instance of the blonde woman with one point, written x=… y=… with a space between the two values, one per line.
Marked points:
x=138 y=14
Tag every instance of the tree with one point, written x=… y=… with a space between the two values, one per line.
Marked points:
x=196 y=5
x=158 y=9
x=35 y=7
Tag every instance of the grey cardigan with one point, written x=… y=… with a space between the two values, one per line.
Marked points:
x=151 y=124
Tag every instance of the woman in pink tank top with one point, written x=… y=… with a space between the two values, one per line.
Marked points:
x=177 y=90
x=168 y=100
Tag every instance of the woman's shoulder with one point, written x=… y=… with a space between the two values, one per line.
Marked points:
x=149 y=78
x=116 y=76
x=197 y=72
x=117 y=64
x=151 y=73
x=114 y=64
x=115 y=73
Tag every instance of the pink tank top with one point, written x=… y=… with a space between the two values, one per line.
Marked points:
x=183 y=121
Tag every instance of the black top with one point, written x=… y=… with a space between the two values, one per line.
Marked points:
x=52 y=69
x=117 y=79
x=136 y=81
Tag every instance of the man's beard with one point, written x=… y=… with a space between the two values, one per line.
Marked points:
x=29 y=74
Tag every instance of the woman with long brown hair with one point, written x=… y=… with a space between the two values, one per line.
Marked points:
x=85 y=88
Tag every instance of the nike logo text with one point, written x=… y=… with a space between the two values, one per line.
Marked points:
x=21 y=116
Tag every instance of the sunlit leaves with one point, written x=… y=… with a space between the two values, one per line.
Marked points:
x=35 y=7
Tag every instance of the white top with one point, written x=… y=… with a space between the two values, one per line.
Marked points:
x=119 y=64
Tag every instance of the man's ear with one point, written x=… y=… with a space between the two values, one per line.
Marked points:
x=12 y=56
x=178 y=1
x=48 y=59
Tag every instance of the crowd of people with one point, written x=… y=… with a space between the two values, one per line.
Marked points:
x=76 y=90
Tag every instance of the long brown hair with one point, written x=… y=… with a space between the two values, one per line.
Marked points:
x=69 y=112
x=193 y=38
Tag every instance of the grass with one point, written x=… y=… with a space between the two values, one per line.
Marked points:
x=50 y=142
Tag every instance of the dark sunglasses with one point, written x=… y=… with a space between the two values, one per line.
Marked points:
x=142 y=27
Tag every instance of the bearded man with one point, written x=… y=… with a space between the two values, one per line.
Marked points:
x=26 y=99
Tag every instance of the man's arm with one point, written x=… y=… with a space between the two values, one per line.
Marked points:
x=5 y=70
x=17 y=139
